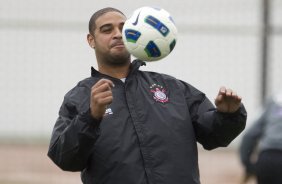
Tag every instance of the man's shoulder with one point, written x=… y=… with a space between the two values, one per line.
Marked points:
x=87 y=82
x=81 y=86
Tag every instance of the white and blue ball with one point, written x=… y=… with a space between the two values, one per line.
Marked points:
x=149 y=34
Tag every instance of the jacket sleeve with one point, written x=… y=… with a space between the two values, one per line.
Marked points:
x=74 y=135
x=212 y=128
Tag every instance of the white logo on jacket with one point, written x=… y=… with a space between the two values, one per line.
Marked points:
x=108 y=111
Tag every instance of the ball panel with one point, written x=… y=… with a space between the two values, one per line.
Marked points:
x=132 y=35
x=152 y=50
x=172 y=45
x=158 y=25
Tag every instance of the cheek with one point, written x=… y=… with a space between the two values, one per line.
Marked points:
x=104 y=42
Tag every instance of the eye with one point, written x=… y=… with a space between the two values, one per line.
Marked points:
x=106 y=29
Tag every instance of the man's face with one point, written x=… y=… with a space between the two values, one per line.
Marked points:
x=107 y=40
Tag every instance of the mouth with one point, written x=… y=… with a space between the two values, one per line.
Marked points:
x=118 y=45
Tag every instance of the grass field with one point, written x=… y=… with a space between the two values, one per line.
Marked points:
x=29 y=164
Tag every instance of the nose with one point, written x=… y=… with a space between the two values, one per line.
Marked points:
x=118 y=33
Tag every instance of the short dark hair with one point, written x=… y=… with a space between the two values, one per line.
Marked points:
x=97 y=14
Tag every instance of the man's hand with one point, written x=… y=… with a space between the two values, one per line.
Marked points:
x=101 y=96
x=227 y=100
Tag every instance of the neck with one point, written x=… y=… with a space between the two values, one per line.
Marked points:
x=115 y=71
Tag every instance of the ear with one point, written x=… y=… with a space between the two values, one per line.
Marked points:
x=91 y=41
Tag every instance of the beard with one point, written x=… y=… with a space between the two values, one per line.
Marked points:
x=118 y=59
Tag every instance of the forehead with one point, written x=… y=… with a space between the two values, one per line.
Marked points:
x=110 y=18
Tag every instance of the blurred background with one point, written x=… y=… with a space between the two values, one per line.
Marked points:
x=44 y=53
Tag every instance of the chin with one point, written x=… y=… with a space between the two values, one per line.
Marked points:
x=121 y=55
x=120 y=59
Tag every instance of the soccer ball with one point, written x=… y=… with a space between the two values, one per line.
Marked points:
x=149 y=34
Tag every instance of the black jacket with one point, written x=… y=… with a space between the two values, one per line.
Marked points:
x=148 y=134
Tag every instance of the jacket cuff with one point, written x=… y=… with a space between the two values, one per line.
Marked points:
x=87 y=118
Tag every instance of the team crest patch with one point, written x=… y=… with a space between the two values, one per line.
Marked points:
x=159 y=93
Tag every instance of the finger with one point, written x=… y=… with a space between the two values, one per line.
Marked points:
x=103 y=94
x=235 y=96
x=218 y=99
x=237 y=99
x=98 y=96
x=221 y=94
x=102 y=85
x=102 y=88
x=105 y=100
x=228 y=92
x=222 y=90
x=103 y=81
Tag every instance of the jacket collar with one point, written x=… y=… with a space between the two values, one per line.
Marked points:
x=134 y=66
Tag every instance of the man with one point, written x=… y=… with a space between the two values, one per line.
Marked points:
x=263 y=141
x=126 y=126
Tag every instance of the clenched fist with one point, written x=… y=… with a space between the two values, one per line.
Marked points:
x=101 y=96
